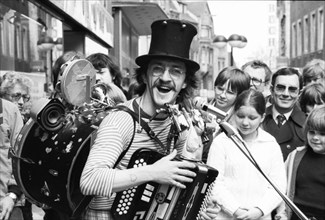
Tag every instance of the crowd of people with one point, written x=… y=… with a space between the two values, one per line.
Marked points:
x=279 y=116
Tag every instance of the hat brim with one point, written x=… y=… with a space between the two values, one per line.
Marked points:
x=190 y=64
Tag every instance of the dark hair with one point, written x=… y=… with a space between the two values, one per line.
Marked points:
x=311 y=95
x=191 y=81
x=238 y=79
x=100 y=60
x=258 y=64
x=251 y=97
x=287 y=71
x=315 y=121
x=313 y=69
x=62 y=60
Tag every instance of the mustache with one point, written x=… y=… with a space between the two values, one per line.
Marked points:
x=161 y=83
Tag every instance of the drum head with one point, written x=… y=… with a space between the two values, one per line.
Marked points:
x=48 y=166
x=73 y=81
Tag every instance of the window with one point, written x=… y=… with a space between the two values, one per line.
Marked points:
x=271 y=19
x=204 y=32
x=18 y=41
x=294 y=40
x=306 y=33
x=2 y=39
x=313 y=31
x=24 y=34
x=272 y=30
x=271 y=42
x=299 y=38
x=271 y=7
x=320 y=29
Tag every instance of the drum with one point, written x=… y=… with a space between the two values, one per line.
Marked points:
x=48 y=165
x=72 y=81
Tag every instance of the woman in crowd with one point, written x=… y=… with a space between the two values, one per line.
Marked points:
x=312 y=96
x=229 y=84
x=305 y=171
x=240 y=190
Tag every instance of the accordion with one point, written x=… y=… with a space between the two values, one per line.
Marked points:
x=154 y=201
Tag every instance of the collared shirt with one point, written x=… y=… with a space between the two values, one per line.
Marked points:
x=275 y=114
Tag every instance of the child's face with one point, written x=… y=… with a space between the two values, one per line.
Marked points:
x=316 y=140
x=247 y=120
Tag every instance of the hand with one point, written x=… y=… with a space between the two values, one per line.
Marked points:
x=6 y=206
x=212 y=210
x=250 y=214
x=240 y=212
x=281 y=217
x=172 y=172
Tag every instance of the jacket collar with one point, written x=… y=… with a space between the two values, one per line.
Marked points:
x=297 y=116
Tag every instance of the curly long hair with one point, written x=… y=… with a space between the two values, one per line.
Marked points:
x=186 y=93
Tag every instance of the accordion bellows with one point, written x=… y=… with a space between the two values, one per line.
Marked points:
x=163 y=202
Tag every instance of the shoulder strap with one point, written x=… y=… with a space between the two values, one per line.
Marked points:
x=144 y=124
x=126 y=109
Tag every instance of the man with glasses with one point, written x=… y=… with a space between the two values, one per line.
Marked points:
x=260 y=75
x=16 y=88
x=284 y=120
x=165 y=75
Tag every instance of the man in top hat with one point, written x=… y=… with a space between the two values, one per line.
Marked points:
x=165 y=75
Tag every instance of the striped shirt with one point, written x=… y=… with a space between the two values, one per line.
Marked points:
x=113 y=137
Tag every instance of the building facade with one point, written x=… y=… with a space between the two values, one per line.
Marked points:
x=33 y=34
x=302 y=31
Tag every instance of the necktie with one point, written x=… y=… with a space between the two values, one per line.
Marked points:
x=281 y=119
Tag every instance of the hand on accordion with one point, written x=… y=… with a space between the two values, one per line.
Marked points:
x=211 y=211
x=172 y=172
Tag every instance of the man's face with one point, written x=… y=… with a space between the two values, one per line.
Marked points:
x=104 y=75
x=285 y=92
x=165 y=79
x=257 y=78
x=18 y=95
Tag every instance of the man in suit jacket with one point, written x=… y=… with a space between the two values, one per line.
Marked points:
x=284 y=119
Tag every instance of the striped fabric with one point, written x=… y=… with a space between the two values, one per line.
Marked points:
x=114 y=135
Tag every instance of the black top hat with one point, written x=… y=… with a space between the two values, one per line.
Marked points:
x=170 y=39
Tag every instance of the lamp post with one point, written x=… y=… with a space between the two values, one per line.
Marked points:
x=234 y=40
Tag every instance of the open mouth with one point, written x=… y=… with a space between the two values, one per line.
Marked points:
x=164 y=89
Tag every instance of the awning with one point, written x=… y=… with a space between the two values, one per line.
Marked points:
x=141 y=14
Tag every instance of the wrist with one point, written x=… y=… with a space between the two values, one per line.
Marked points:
x=12 y=195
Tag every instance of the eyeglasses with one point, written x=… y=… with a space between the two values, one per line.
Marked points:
x=220 y=90
x=17 y=96
x=159 y=70
x=293 y=91
x=257 y=82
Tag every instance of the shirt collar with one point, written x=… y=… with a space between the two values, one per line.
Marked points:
x=275 y=114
